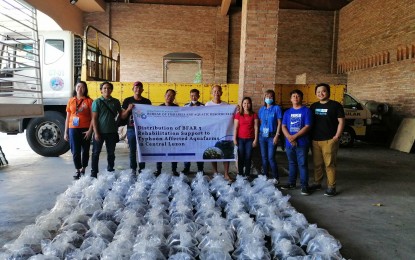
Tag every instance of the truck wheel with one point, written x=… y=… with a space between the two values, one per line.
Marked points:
x=347 y=137
x=45 y=134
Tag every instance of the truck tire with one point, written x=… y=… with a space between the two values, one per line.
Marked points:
x=347 y=138
x=45 y=134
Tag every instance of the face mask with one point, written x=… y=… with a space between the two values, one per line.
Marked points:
x=269 y=101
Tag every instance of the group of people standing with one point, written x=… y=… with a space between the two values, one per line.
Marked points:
x=84 y=117
x=319 y=126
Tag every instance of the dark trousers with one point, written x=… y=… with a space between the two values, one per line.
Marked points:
x=79 y=147
x=244 y=155
x=111 y=141
x=132 y=143
x=173 y=166
x=199 y=166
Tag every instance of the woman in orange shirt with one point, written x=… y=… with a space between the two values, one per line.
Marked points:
x=78 y=127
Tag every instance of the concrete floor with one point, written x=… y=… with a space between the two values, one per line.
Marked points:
x=368 y=176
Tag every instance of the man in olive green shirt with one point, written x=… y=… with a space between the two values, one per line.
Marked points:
x=105 y=111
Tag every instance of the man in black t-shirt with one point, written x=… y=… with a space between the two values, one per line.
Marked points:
x=127 y=107
x=329 y=121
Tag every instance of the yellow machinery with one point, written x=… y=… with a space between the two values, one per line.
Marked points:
x=155 y=91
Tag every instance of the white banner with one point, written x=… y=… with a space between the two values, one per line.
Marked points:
x=184 y=134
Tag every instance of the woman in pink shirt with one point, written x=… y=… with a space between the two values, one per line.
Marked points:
x=245 y=135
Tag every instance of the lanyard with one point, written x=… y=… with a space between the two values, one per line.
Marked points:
x=267 y=111
x=78 y=105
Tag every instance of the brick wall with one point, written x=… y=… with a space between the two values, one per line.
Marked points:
x=305 y=45
x=99 y=20
x=234 y=44
x=391 y=83
x=377 y=51
x=147 y=32
x=259 y=29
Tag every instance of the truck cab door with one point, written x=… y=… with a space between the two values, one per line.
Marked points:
x=356 y=114
x=57 y=67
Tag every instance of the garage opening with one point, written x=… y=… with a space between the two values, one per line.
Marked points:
x=182 y=67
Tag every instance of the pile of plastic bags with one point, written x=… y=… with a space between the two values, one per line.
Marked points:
x=122 y=217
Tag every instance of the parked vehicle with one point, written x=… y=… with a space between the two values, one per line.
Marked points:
x=363 y=118
x=61 y=58
x=37 y=105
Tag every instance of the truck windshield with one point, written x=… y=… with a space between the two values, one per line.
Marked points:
x=350 y=102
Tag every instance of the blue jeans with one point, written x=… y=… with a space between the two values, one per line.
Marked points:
x=111 y=141
x=297 y=162
x=268 y=155
x=79 y=147
x=132 y=143
x=244 y=155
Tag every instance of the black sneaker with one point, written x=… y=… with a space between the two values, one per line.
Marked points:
x=330 y=192
x=288 y=187
x=305 y=191
x=175 y=173
x=133 y=171
x=185 y=171
x=157 y=173
x=140 y=170
x=315 y=187
x=77 y=176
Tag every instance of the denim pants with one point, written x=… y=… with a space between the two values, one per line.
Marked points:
x=79 y=147
x=111 y=141
x=268 y=155
x=244 y=155
x=297 y=162
x=132 y=143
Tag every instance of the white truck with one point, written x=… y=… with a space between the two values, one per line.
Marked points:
x=20 y=76
x=62 y=58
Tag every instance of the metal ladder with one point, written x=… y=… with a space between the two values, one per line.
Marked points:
x=3 y=160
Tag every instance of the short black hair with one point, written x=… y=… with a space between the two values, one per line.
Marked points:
x=172 y=90
x=195 y=90
x=108 y=83
x=327 y=86
x=298 y=92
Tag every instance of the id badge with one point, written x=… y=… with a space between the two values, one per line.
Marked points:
x=75 y=121
x=265 y=132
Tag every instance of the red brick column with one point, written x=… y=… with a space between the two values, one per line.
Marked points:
x=258 y=48
x=221 y=48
